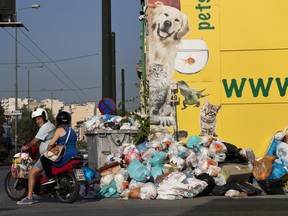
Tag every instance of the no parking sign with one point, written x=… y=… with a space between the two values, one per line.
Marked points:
x=107 y=106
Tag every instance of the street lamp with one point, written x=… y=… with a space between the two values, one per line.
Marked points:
x=34 y=6
x=28 y=78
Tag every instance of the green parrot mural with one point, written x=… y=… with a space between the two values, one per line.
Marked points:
x=191 y=95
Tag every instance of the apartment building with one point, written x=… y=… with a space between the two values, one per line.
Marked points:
x=53 y=104
x=79 y=112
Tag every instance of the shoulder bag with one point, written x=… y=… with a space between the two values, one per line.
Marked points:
x=57 y=152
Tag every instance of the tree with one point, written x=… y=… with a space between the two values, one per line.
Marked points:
x=4 y=149
x=26 y=127
x=2 y=119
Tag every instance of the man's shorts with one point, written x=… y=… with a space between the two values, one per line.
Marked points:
x=39 y=164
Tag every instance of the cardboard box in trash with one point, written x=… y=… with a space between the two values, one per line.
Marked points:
x=112 y=168
x=236 y=172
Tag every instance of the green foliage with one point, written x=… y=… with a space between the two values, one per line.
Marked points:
x=26 y=127
x=81 y=144
x=6 y=151
x=2 y=119
x=144 y=129
x=119 y=107
x=143 y=119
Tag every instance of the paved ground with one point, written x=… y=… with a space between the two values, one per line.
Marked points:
x=262 y=205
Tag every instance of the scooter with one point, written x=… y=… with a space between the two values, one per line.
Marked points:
x=66 y=187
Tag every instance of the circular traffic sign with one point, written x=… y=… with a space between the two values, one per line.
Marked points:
x=107 y=106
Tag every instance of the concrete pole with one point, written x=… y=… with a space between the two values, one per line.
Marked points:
x=123 y=92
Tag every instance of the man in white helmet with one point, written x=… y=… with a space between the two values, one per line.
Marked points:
x=42 y=138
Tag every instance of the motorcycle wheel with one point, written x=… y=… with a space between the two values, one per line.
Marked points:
x=16 y=189
x=69 y=188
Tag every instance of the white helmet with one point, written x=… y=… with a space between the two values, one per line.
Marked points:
x=40 y=112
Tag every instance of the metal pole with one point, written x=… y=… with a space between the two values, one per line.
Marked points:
x=106 y=49
x=16 y=84
x=28 y=73
x=123 y=92
x=113 y=67
x=34 y=6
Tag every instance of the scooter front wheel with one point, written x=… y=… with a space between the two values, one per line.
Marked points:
x=68 y=188
x=16 y=189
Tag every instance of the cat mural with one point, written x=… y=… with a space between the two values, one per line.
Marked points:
x=161 y=112
x=208 y=122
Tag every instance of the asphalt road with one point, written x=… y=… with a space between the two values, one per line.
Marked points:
x=209 y=205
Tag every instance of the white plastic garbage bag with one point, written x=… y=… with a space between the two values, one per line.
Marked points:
x=93 y=123
x=177 y=186
x=148 y=191
x=106 y=180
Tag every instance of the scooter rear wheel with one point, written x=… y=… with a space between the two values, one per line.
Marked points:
x=69 y=188
x=16 y=189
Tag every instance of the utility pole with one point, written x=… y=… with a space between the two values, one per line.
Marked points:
x=106 y=49
x=113 y=67
x=123 y=91
x=8 y=15
x=108 y=53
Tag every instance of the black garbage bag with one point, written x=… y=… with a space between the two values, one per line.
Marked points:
x=209 y=180
x=272 y=186
x=233 y=154
x=242 y=187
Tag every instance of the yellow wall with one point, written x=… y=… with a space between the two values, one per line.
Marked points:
x=248 y=43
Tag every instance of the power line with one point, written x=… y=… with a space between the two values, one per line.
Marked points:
x=55 y=64
x=59 y=60
x=55 y=90
x=40 y=61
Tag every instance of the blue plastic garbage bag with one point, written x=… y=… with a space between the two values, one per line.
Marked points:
x=158 y=159
x=278 y=171
x=156 y=171
x=108 y=191
x=194 y=144
x=272 y=147
x=142 y=147
x=89 y=173
x=108 y=117
x=138 y=171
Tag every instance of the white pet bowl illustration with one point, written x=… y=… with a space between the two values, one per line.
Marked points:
x=192 y=56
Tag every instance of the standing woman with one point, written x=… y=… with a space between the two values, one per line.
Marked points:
x=63 y=132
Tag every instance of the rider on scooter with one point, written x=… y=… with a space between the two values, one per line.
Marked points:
x=64 y=135
x=42 y=138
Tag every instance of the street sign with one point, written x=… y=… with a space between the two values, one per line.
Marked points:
x=107 y=106
x=16 y=113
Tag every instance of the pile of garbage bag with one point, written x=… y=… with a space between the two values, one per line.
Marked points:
x=111 y=122
x=163 y=168
x=271 y=170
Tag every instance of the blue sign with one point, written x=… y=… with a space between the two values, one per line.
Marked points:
x=107 y=106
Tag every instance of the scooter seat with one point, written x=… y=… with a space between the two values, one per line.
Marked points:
x=72 y=164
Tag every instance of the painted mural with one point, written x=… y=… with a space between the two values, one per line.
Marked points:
x=213 y=71
x=168 y=53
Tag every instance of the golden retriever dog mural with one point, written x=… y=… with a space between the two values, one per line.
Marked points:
x=167 y=27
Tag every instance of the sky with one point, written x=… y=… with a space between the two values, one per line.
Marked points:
x=66 y=37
